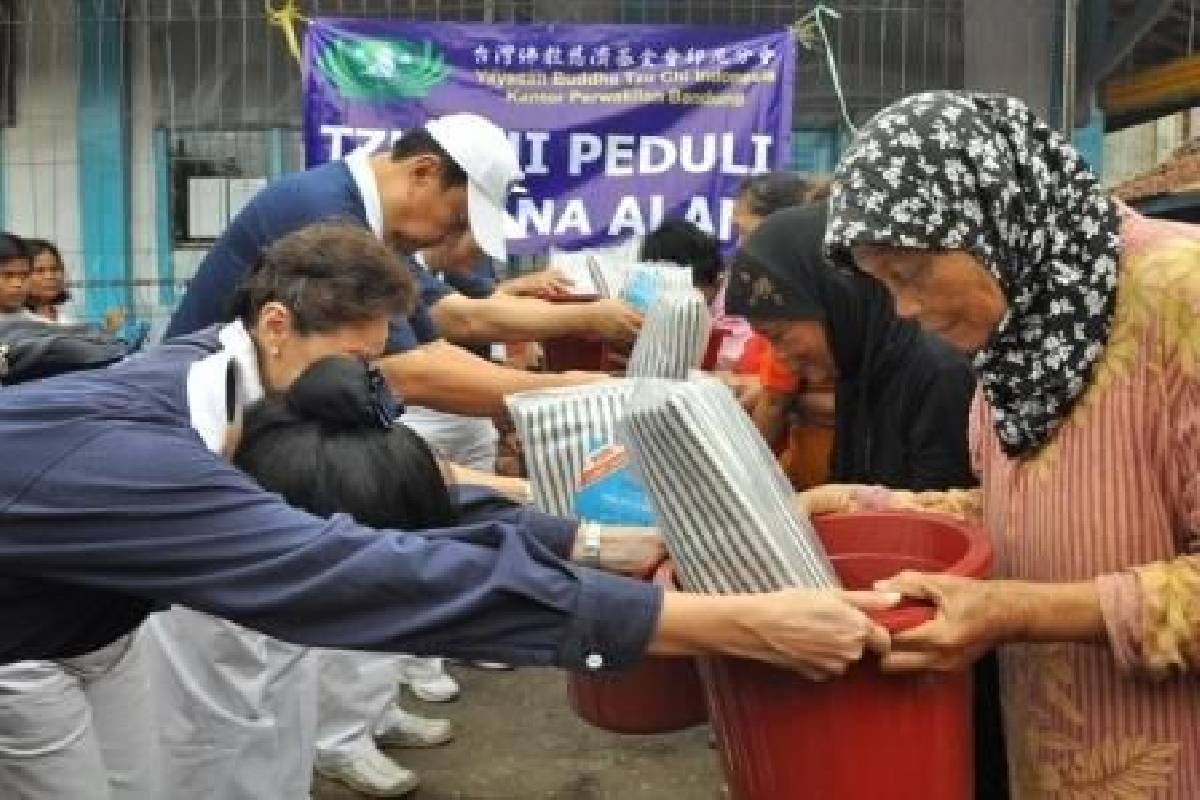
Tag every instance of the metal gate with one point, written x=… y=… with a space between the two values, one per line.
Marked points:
x=109 y=107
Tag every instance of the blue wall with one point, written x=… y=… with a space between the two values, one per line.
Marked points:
x=103 y=150
x=1093 y=17
x=816 y=150
x=1088 y=140
x=277 y=160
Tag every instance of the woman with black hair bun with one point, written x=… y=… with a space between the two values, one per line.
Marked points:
x=118 y=503
x=332 y=443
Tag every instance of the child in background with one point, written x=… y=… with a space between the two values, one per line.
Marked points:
x=15 y=272
x=48 y=284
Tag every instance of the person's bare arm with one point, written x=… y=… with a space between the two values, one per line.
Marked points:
x=818 y=633
x=515 y=489
x=447 y=378
x=505 y=318
x=545 y=283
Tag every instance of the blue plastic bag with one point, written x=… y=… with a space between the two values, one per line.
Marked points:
x=609 y=492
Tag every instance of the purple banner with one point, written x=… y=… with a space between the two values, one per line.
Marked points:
x=617 y=126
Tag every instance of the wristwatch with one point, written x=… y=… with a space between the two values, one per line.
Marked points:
x=591 y=545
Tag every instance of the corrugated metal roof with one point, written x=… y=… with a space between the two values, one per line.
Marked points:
x=1180 y=174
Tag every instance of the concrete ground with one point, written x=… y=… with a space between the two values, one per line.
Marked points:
x=519 y=740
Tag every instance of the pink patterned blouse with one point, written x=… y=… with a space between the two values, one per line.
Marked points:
x=1115 y=494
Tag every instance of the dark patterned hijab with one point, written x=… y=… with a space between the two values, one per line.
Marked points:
x=781 y=273
x=978 y=172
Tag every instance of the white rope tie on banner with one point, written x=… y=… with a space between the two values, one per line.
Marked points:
x=803 y=30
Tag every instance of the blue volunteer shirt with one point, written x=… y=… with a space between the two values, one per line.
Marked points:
x=480 y=282
x=111 y=507
x=430 y=289
x=326 y=193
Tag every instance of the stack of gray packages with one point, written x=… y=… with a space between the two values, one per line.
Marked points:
x=673 y=337
x=662 y=275
x=559 y=430
x=724 y=506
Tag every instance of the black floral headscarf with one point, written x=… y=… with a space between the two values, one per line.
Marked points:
x=979 y=172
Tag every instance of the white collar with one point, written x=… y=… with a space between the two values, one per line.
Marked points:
x=419 y=258
x=207 y=382
x=359 y=164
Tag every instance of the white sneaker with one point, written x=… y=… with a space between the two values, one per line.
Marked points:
x=428 y=679
x=398 y=728
x=373 y=773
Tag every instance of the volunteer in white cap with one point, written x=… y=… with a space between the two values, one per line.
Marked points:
x=484 y=152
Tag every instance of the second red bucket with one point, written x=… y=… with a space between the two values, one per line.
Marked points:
x=660 y=695
x=866 y=735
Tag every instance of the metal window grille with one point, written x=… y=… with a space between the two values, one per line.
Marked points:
x=209 y=90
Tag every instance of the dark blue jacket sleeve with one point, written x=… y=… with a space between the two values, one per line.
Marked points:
x=151 y=513
x=401 y=337
x=211 y=290
x=479 y=282
x=480 y=504
x=431 y=287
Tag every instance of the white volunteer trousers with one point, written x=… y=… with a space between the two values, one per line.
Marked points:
x=79 y=728
x=468 y=441
x=356 y=689
x=236 y=709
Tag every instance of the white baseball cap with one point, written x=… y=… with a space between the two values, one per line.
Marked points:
x=484 y=152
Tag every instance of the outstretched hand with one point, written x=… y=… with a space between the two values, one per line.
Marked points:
x=550 y=283
x=818 y=633
x=614 y=321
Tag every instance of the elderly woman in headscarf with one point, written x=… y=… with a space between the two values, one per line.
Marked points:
x=901 y=396
x=1084 y=321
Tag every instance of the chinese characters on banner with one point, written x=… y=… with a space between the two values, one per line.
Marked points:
x=616 y=126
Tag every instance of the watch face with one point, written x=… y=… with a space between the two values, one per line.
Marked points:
x=591 y=546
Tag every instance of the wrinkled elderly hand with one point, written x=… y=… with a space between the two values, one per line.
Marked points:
x=613 y=320
x=832 y=498
x=551 y=283
x=972 y=618
x=748 y=389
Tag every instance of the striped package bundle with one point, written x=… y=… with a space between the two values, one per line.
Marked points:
x=645 y=281
x=724 y=506
x=673 y=338
x=597 y=271
x=559 y=430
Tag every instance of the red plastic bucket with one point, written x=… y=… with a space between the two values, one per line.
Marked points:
x=567 y=353
x=660 y=695
x=866 y=735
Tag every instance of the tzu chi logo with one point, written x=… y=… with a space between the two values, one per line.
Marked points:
x=383 y=69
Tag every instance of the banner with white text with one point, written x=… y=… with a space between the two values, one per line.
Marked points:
x=616 y=126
